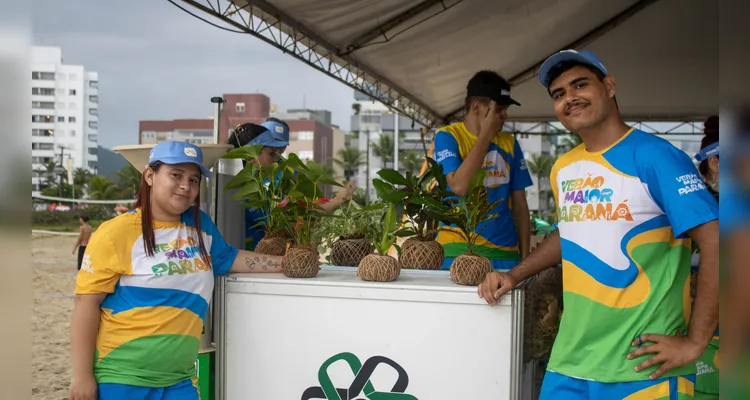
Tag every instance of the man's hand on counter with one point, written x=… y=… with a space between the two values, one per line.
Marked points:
x=546 y=255
x=495 y=285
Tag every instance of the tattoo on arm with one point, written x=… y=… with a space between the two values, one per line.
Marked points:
x=261 y=262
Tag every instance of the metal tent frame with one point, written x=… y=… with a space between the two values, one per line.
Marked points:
x=358 y=43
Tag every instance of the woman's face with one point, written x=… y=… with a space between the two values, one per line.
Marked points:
x=174 y=187
x=270 y=155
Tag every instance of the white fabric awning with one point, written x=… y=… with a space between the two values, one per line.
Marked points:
x=663 y=53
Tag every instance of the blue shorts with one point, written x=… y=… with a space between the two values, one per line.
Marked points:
x=185 y=390
x=501 y=265
x=561 y=387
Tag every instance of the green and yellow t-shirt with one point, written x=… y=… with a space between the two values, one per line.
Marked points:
x=624 y=213
x=155 y=309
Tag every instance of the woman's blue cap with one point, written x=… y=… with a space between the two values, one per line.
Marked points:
x=175 y=152
x=276 y=135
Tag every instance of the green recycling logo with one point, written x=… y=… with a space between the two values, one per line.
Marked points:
x=361 y=382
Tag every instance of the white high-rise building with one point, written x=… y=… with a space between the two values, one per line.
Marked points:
x=64 y=115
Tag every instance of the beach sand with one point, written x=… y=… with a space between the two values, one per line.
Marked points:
x=53 y=285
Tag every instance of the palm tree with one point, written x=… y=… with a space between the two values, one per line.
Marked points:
x=349 y=159
x=540 y=165
x=384 y=149
x=48 y=175
x=411 y=161
x=129 y=181
x=81 y=177
x=101 y=188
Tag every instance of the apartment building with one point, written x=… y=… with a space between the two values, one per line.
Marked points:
x=64 y=115
x=311 y=132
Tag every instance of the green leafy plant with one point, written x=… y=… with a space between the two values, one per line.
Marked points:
x=351 y=221
x=386 y=231
x=424 y=198
x=262 y=187
x=288 y=192
x=471 y=210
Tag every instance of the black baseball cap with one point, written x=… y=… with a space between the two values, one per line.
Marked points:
x=491 y=85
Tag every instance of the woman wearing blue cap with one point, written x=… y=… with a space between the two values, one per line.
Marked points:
x=146 y=279
x=273 y=134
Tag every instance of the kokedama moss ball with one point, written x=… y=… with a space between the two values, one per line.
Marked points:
x=470 y=269
x=275 y=246
x=349 y=252
x=301 y=262
x=421 y=254
x=377 y=268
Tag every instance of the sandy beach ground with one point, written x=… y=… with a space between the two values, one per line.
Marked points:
x=53 y=285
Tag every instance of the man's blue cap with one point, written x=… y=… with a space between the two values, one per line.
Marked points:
x=174 y=152
x=276 y=135
x=584 y=57
x=708 y=152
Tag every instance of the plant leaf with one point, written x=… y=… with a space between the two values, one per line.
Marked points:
x=245 y=152
x=405 y=232
x=294 y=161
x=381 y=188
x=398 y=249
x=478 y=179
x=393 y=177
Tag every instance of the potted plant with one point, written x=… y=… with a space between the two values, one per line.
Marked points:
x=349 y=233
x=467 y=214
x=424 y=205
x=262 y=189
x=380 y=267
x=302 y=213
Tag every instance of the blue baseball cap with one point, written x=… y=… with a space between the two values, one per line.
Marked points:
x=276 y=135
x=708 y=152
x=584 y=57
x=175 y=152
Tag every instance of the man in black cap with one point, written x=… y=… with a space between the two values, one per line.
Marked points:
x=477 y=142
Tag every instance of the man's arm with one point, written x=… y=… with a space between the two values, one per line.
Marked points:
x=79 y=240
x=343 y=196
x=672 y=351
x=705 y=316
x=252 y=262
x=458 y=180
x=523 y=223
x=496 y=284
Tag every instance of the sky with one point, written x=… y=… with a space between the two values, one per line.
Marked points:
x=157 y=62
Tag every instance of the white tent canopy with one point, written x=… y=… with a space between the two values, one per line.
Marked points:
x=663 y=53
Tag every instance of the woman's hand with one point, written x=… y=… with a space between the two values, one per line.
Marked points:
x=346 y=193
x=83 y=388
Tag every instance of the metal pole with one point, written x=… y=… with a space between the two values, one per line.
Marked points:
x=60 y=188
x=218 y=101
x=395 y=138
x=367 y=171
x=211 y=184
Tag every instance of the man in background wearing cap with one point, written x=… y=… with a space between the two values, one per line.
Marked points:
x=477 y=142
x=628 y=205
x=273 y=135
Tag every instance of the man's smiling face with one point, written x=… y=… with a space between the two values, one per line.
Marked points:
x=581 y=99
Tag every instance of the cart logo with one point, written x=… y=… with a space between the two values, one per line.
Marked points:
x=361 y=383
